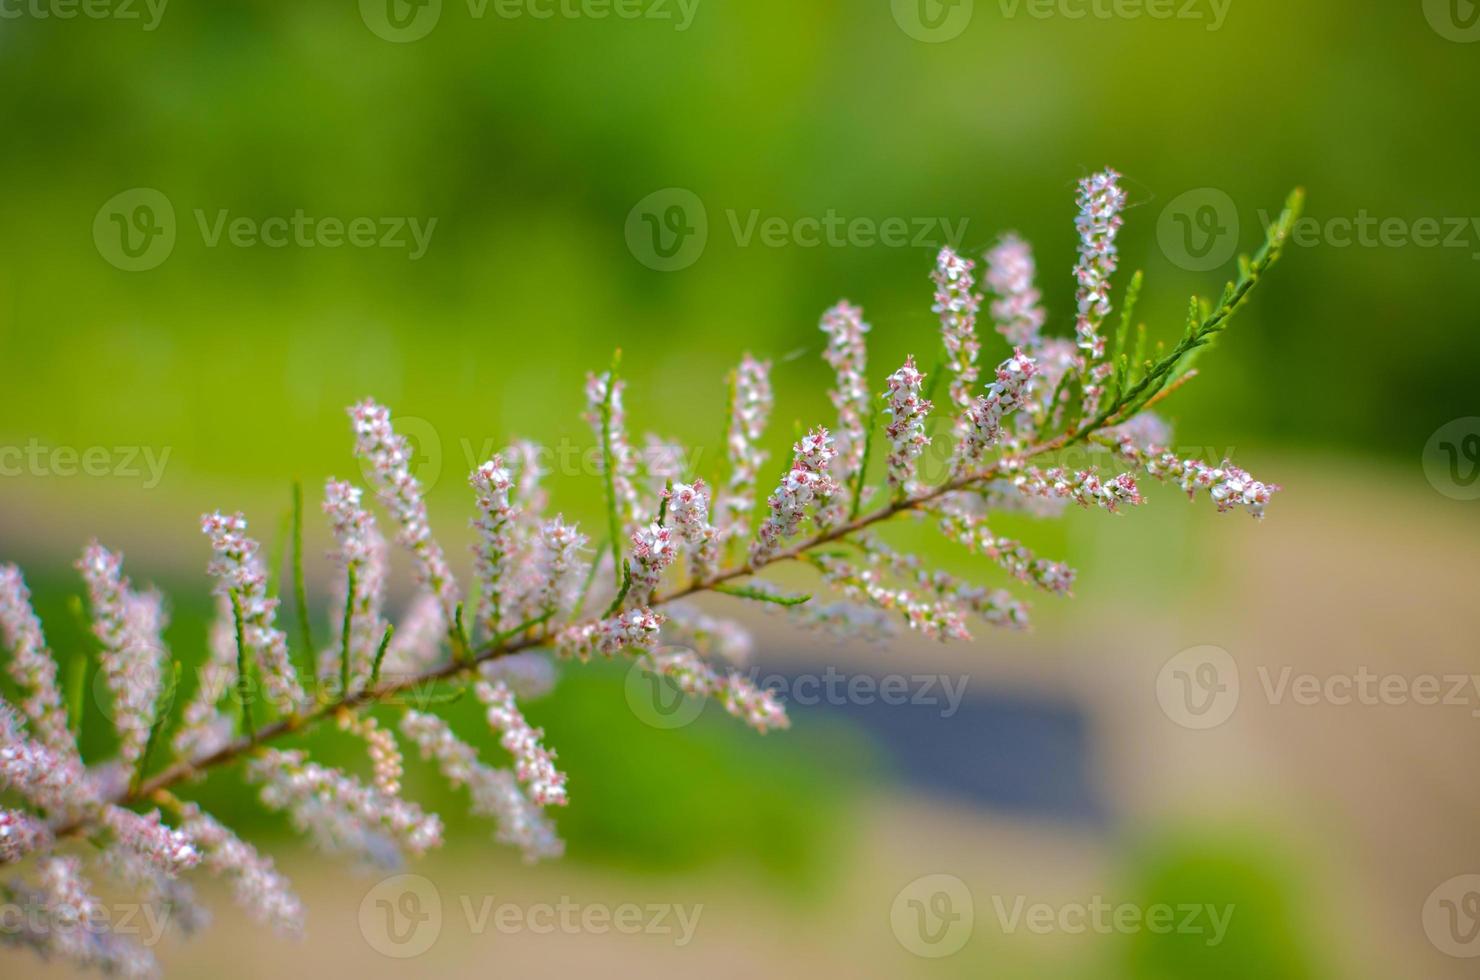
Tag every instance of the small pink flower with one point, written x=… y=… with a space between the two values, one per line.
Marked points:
x=906 y=424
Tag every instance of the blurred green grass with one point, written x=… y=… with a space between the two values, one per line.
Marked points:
x=530 y=142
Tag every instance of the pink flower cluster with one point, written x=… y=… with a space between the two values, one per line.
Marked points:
x=653 y=550
x=971 y=530
x=847 y=354
x=806 y=483
x=1016 y=310
x=339 y=811
x=633 y=629
x=255 y=884
x=534 y=764
x=750 y=412
x=389 y=458
x=557 y=566
x=32 y=666
x=361 y=553
x=204 y=728
x=493 y=552
x=495 y=792
x=20 y=834
x=167 y=851
x=128 y=627
x=997 y=607
x=1228 y=485
x=985 y=417
x=608 y=420
x=51 y=781
x=906 y=424
x=689 y=514
x=238 y=570
x=1101 y=202
x=932 y=617
x=67 y=922
x=1084 y=487
x=756 y=706
x=385 y=757
x=957 y=304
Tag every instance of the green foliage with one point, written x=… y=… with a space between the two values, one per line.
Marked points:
x=710 y=792
x=1268 y=936
x=1203 y=325
x=761 y=595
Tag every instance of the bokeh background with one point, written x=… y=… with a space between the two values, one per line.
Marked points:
x=213 y=371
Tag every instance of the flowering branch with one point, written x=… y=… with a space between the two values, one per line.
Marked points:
x=532 y=570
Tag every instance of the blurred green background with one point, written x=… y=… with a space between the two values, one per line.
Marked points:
x=536 y=144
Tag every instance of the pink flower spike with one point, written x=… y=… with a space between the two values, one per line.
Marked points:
x=533 y=763
x=806 y=483
x=1016 y=310
x=238 y=567
x=906 y=424
x=1100 y=203
x=957 y=306
x=31 y=664
x=750 y=411
x=389 y=457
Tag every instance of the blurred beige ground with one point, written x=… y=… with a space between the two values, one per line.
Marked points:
x=1356 y=568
